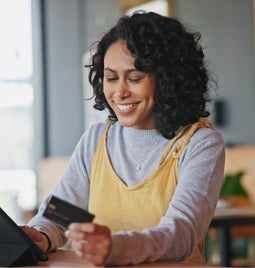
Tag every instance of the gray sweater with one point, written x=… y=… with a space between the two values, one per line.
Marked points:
x=190 y=211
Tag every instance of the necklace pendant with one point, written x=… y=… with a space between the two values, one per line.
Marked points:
x=138 y=167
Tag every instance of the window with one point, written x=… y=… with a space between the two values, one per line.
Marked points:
x=17 y=173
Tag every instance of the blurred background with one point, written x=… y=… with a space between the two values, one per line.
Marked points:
x=43 y=83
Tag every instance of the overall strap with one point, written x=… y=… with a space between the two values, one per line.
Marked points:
x=184 y=135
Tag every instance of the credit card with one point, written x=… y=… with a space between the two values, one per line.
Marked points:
x=64 y=213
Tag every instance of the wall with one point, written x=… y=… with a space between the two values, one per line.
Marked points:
x=63 y=76
x=227 y=32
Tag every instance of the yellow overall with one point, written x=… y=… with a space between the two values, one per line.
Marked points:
x=141 y=206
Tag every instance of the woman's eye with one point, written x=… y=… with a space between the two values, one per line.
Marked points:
x=134 y=79
x=111 y=79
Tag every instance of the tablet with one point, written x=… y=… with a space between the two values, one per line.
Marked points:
x=16 y=247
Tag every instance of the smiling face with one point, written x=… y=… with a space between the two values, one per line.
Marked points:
x=129 y=92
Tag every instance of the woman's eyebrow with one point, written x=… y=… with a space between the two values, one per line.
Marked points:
x=126 y=71
x=109 y=69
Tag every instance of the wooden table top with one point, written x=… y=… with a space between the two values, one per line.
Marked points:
x=236 y=207
x=66 y=258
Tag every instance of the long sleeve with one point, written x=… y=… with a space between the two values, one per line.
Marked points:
x=73 y=186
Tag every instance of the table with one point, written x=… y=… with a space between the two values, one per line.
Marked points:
x=66 y=258
x=239 y=213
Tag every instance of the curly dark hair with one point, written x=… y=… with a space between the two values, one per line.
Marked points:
x=165 y=47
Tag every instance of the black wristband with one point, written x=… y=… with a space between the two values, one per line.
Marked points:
x=48 y=239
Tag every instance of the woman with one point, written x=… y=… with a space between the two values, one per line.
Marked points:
x=152 y=173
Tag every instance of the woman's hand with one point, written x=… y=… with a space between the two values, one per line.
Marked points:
x=39 y=239
x=91 y=242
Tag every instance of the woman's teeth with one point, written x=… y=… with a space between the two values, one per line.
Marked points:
x=125 y=106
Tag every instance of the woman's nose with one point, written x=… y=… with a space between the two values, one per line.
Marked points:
x=121 y=90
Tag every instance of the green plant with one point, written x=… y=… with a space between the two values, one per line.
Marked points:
x=232 y=185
